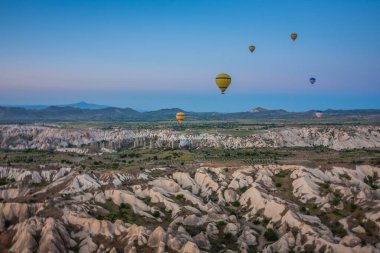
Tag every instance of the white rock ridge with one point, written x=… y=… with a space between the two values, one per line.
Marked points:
x=104 y=141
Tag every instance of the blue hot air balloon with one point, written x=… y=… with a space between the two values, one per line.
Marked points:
x=312 y=80
x=184 y=143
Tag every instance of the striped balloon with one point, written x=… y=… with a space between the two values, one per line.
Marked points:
x=180 y=116
x=223 y=81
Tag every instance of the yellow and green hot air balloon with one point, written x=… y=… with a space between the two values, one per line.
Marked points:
x=180 y=116
x=223 y=81
x=293 y=36
x=252 y=48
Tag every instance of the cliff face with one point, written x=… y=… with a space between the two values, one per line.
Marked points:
x=271 y=208
x=345 y=137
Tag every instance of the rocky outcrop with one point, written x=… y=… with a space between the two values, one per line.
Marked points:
x=335 y=137
x=18 y=211
x=120 y=196
x=196 y=210
x=24 y=239
x=186 y=181
x=54 y=237
x=81 y=183
x=157 y=237
x=190 y=247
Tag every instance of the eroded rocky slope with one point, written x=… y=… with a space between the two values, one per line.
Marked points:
x=344 y=137
x=272 y=208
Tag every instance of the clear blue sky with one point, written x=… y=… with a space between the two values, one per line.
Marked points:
x=155 y=54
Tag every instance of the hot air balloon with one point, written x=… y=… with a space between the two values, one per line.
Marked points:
x=312 y=80
x=318 y=114
x=223 y=81
x=252 y=48
x=180 y=116
x=293 y=36
x=184 y=143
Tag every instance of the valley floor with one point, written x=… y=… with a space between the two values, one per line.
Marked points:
x=289 y=189
x=265 y=208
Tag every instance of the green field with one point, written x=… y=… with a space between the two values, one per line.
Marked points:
x=140 y=159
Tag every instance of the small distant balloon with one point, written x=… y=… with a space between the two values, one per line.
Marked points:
x=312 y=80
x=293 y=36
x=318 y=114
x=180 y=116
x=184 y=143
x=223 y=81
x=252 y=48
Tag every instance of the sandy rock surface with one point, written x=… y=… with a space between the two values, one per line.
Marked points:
x=192 y=211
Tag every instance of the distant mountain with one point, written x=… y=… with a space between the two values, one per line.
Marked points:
x=80 y=105
x=30 y=107
x=90 y=112
x=258 y=109
x=84 y=105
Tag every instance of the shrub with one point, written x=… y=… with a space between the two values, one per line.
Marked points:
x=335 y=201
x=99 y=217
x=220 y=224
x=4 y=181
x=243 y=189
x=338 y=230
x=345 y=176
x=270 y=235
x=353 y=207
x=180 y=197
x=337 y=212
x=125 y=206
x=369 y=180
x=256 y=222
x=324 y=188
x=227 y=236
x=156 y=214
x=7 y=223
x=266 y=221
x=236 y=203
x=281 y=174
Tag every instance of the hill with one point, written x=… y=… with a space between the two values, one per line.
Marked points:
x=91 y=112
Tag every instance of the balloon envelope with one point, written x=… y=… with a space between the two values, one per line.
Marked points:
x=184 y=143
x=312 y=80
x=318 y=114
x=252 y=48
x=293 y=36
x=223 y=81
x=180 y=116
